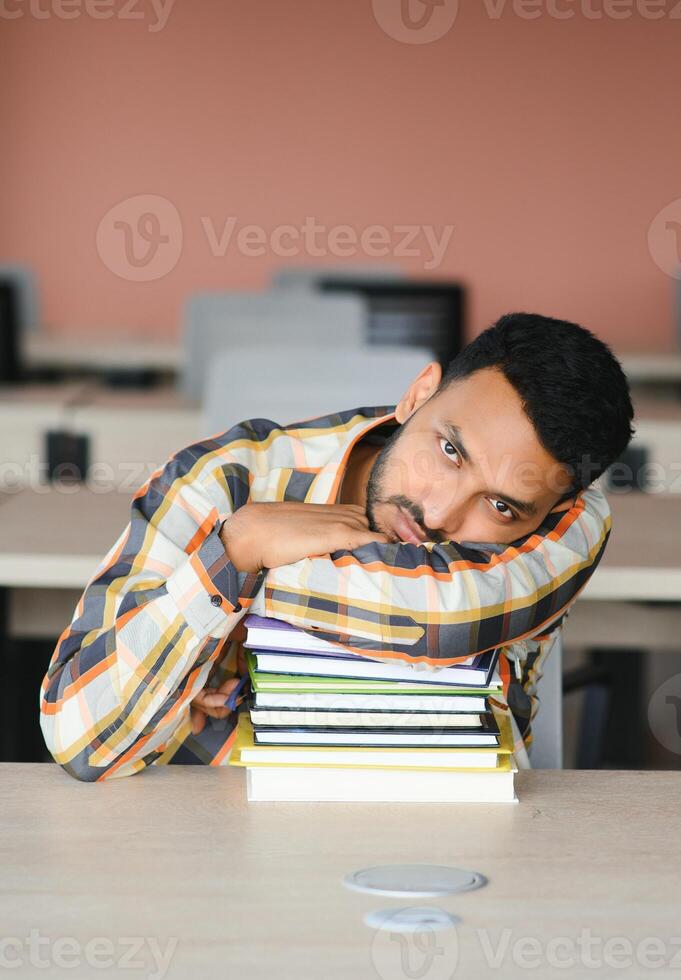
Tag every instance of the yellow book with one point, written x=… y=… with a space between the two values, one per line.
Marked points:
x=491 y=759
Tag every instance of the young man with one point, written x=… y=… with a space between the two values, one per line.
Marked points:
x=459 y=521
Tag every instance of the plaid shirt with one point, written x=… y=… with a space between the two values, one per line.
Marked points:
x=153 y=625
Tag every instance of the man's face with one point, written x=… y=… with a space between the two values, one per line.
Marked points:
x=465 y=466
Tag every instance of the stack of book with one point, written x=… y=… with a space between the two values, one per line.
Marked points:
x=323 y=723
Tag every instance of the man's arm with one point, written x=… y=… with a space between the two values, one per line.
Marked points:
x=434 y=604
x=151 y=622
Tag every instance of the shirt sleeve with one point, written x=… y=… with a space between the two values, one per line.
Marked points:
x=435 y=604
x=151 y=621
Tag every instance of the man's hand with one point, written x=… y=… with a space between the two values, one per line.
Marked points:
x=271 y=534
x=211 y=700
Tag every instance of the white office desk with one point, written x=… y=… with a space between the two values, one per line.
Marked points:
x=54 y=538
x=51 y=540
x=121 y=351
x=663 y=367
x=107 y=352
x=642 y=561
x=254 y=890
x=27 y=413
x=130 y=433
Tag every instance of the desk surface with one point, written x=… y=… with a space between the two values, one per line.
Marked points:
x=104 y=352
x=642 y=560
x=118 y=350
x=52 y=539
x=254 y=890
x=660 y=367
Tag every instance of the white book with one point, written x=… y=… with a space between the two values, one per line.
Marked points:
x=363 y=719
x=419 y=759
x=451 y=739
x=291 y=784
x=371 y=702
x=359 y=668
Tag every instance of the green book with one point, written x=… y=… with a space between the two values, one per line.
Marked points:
x=262 y=681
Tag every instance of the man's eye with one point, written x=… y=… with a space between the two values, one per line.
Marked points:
x=451 y=451
x=502 y=509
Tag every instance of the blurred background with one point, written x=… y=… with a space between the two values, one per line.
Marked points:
x=217 y=210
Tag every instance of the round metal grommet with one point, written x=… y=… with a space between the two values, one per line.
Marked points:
x=413 y=880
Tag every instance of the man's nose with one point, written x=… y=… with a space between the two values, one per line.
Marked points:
x=444 y=510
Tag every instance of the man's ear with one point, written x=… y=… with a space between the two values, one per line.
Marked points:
x=419 y=391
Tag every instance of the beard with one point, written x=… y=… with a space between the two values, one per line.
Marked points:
x=376 y=495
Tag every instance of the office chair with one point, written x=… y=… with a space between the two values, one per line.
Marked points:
x=283 y=385
x=304 y=322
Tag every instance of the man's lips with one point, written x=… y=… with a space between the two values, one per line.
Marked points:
x=406 y=528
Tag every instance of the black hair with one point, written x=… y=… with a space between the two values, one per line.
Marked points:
x=572 y=387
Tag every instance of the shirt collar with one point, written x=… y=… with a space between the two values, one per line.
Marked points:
x=324 y=487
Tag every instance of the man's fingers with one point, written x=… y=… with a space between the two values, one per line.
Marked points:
x=218 y=713
x=216 y=697
x=198 y=719
x=199 y=715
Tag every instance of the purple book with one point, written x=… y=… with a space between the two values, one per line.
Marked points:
x=276 y=636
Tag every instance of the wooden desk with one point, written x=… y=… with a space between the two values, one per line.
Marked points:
x=255 y=890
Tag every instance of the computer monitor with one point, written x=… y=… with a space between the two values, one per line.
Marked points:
x=10 y=372
x=410 y=313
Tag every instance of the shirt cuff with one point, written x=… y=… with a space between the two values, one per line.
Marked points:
x=209 y=591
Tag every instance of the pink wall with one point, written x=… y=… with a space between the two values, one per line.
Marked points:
x=549 y=144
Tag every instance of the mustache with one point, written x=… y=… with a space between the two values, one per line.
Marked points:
x=416 y=513
x=412 y=509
